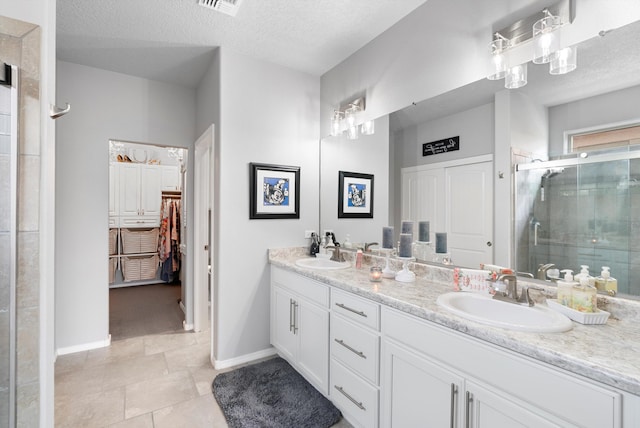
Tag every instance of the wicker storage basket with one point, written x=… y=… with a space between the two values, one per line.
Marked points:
x=113 y=263
x=113 y=241
x=139 y=267
x=139 y=240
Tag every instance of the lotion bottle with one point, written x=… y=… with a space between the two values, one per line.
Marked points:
x=584 y=273
x=605 y=283
x=565 y=288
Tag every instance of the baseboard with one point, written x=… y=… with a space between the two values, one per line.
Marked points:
x=243 y=359
x=84 y=347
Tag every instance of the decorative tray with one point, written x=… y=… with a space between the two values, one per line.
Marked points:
x=592 y=318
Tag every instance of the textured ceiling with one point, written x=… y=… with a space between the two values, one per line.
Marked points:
x=172 y=40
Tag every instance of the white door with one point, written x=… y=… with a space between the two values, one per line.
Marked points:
x=313 y=354
x=113 y=190
x=283 y=323
x=422 y=193
x=129 y=176
x=469 y=208
x=203 y=232
x=150 y=190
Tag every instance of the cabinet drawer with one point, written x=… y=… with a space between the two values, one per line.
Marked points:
x=355 y=308
x=355 y=347
x=114 y=221
x=139 y=221
x=308 y=288
x=357 y=399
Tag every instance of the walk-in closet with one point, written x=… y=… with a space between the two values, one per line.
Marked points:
x=146 y=220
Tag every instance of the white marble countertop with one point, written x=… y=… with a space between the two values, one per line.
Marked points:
x=609 y=353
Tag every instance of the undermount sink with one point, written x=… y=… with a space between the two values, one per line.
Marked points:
x=484 y=309
x=322 y=264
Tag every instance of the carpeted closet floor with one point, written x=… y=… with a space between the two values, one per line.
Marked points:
x=144 y=310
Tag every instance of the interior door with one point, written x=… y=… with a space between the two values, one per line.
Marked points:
x=469 y=208
x=203 y=233
x=422 y=193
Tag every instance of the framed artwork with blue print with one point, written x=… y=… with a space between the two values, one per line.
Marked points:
x=355 y=195
x=274 y=191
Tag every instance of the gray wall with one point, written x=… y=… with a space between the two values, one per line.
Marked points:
x=266 y=114
x=106 y=105
x=614 y=107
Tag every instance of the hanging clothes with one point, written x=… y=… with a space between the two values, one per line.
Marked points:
x=169 y=238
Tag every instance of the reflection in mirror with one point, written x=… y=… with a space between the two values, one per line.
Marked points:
x=601 y=92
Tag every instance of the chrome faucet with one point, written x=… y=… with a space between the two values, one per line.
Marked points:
x=367 y=245
x=542 y=270
x=511 y=295
x=336 y=256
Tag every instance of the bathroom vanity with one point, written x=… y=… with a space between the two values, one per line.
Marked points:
x=387 y=355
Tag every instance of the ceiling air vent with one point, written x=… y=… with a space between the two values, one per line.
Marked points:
x=230 y=7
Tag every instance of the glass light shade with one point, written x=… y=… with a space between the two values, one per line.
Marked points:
x=368 y=127
x=352 y=132
x=564 y=61
x=516 y=77
x=546 y=38
x=498 y=59
x=335 y=124
x=350 y=116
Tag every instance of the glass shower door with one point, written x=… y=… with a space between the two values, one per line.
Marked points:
x=8 y=231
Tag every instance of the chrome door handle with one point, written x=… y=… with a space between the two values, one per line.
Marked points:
x=349 y=397
x=467 y=410
x=291 y=315
x=358 y=353
x=355 y=311
x=295 y=317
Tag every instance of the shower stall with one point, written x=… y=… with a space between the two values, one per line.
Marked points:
x=581 y=211
x=8 y=243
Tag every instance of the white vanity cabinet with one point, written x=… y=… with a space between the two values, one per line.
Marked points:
x=355 y=357
x=430 y=373
x=300 y=324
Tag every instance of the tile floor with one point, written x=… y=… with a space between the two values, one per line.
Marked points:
x=153 y=380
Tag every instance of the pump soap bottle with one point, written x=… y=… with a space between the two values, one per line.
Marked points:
x=605 y=283
x=584 y=273
x=565 y=288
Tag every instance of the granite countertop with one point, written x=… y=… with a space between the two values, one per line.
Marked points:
x=609 y=353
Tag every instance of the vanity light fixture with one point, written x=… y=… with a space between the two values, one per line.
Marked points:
x=543 y=30
x=348 y=119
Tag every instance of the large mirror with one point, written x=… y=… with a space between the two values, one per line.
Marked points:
x=603 y=92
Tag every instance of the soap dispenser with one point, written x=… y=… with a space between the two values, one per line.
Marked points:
x=605 y=283
x=314 y=248
x=584 y=273
x=565 y=288
x=585 y=296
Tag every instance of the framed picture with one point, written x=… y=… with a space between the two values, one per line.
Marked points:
x=355 y=195
x=275 y=191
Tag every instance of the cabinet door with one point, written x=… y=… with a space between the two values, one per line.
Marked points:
x=423 y=196
x=113 y=190
x=313 y=354
x=417 y=392
x=129 y=177
x=486 y=409
x=150 y=189
x=170 y=177
x=283 y=336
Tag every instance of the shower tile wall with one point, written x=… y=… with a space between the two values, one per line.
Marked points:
x=20 y=46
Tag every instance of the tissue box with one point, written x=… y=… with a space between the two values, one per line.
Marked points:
x=475 y=280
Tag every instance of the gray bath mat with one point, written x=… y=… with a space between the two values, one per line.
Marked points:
x=271 y=394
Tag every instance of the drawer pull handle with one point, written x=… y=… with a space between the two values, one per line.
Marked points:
x=353 y=400
x=467 y=410
x=358 y=353
x=355 y=311
x=454 y=393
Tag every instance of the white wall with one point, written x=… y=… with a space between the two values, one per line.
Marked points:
x=601 y=110
x=269 y=114
x=105 y=105
x=366 y=155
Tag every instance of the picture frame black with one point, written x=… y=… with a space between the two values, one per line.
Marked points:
x=355 y=195
x=274 y=191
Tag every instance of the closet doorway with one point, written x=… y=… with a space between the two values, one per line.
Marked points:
x=147 y=236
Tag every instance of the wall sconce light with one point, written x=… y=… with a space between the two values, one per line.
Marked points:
x=546 y=45
x=348 y=119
